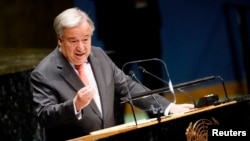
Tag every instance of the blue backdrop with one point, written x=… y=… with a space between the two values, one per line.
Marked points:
x=200 y=37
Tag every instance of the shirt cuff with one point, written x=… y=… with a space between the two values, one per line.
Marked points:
x=166 y=112
x=77 y=113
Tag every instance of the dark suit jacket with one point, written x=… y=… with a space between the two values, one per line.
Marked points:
x=55 y=84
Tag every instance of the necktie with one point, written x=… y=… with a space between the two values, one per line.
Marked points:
x=83 y=76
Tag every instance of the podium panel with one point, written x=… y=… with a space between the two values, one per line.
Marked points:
x=187 y=126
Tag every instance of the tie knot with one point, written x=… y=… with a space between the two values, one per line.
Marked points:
x=79 y=67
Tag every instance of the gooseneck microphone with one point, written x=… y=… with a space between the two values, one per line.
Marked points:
x=162 y=80
x=130 y=99
x=132 y=74
x=143 y=70
x=170 y=85
x=157 y=111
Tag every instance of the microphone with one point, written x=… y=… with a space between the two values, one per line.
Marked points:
x=170 y=86
x=157 y=111
x=209 y=78
x=185 y=84
x=169 y=83
x=132 y=74
x=130 y=99
x=190 y=83
x=145 y=71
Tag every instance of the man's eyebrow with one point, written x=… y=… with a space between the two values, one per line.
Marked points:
x=87 y=35
x=71 y=38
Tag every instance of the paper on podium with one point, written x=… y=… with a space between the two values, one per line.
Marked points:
x=122 y=126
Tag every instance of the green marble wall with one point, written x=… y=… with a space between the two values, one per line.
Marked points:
x=17 y=117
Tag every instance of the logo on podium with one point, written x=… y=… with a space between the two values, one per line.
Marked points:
x=199 y=130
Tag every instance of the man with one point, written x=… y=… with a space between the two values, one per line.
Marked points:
x=69 y=107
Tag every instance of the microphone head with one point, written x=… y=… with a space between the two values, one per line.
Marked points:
x=141 y=68
x=131 y=73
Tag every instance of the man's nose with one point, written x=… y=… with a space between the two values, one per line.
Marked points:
x=81 y=45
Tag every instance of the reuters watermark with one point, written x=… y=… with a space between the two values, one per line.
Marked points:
x=216 y=132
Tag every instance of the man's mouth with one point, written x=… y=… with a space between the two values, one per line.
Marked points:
x=79 y=55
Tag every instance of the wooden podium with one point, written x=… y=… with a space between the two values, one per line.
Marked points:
x=174 y=127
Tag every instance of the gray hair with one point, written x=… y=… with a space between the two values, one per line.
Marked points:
x=70 y=18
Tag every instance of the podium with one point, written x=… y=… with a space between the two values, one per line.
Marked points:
x=178 y=126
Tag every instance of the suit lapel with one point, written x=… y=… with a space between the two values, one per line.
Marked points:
x=72 y=78
x=67 y=72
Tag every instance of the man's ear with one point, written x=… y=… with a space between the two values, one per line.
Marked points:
x=59 y=40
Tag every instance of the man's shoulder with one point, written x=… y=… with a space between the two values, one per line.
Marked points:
x=48 y=60
x=95 y=50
